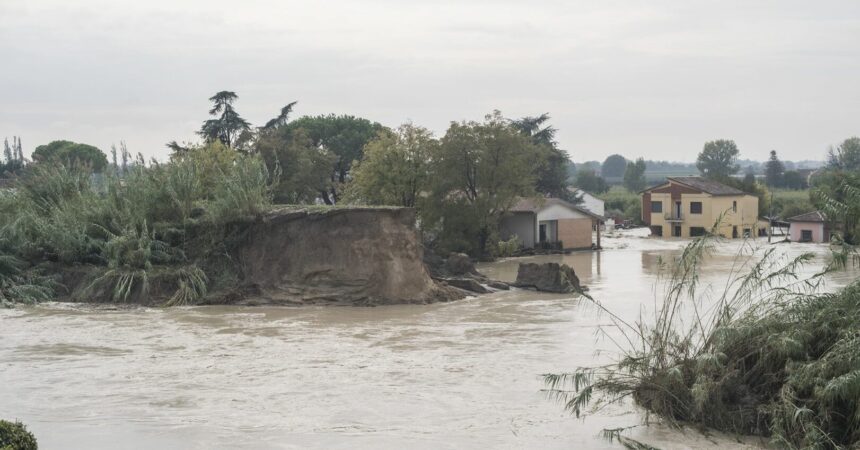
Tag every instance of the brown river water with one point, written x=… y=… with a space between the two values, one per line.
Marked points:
x=459 y=375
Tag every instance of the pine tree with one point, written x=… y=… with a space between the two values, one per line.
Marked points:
x=773 y=170
x=113 y=156
x=20 y=150
x=7 y=151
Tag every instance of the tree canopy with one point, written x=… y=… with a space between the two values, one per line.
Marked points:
x=228 y=125
x=552 y=174
x=344 y=137
x=395 y=167
x=71 y=153
x=589 y=181
x=773 y=170
x=613 y=166
x=718 y=159
x=480 y=171
x=634 y=175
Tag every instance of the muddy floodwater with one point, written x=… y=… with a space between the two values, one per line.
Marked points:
x=457 y=375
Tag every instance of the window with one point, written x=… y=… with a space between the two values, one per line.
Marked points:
x=695 y=207
x=805 y=235
x=656 y=207
x=697 y=231
x=657 y=230
x=734 y=206
x=747 y=233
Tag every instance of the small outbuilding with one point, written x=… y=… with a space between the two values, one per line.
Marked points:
x=809 y=227
x=551 y=223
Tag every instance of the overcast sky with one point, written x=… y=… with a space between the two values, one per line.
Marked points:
x=654 y=80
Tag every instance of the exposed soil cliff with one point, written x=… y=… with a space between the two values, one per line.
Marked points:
x=349 y=256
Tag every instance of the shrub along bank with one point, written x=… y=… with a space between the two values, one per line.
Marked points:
x=767 y=355
x=157 y=230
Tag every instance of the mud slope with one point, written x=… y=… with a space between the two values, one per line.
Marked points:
x=349 y=256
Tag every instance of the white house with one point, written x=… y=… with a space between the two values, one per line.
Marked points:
x=593 y=204
x=550 y=221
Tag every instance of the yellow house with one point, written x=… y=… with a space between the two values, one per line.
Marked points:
x=690 y=206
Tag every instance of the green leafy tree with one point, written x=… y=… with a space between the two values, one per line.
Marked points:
x=718 y=159
x=792 y=179
x=13 y=158
x=613 y=167
x=395 y=167
x=773 y=170
x=282 y=118
x=70 y=154
x=846 y=156
x=301 y=168
x=589 y=181
x=634 y=175
x=478 y=173
x=836 y=189
x=227 y=126
x=7 y=151
x=552 y=175
x=344 y=137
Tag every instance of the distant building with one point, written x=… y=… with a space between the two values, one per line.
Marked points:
x=690 y=206
x=550 y=221
x=593 y=204
x=809 y=227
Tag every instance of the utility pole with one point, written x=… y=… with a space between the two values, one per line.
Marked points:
x=770 y=219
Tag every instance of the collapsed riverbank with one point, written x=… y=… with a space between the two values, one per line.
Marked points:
x=300 y=255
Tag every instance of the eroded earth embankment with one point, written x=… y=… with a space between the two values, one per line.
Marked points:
x=349 y=256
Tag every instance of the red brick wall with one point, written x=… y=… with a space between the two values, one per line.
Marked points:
x=646 y=208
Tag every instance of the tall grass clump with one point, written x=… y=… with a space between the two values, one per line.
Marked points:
x=151 y=229
x=762 y=353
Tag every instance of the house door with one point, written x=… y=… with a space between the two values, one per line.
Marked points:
x=677 y=211
x=805 y=235
x=676 y=231
x=542 y=233
x=735 y=231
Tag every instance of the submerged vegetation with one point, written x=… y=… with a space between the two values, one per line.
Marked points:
x=763 y=353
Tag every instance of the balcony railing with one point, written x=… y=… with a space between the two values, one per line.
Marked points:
x=674 y=217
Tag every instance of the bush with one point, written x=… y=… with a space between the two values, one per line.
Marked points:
x=508 y=248
x=150 y=224
x=14 y=436
x=628 y=203
x=770 y=356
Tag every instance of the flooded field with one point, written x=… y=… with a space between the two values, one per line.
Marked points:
x=458 y=375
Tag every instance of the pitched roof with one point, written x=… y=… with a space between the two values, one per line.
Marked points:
x=814 y=216
x=707 y=186
x=536 y=204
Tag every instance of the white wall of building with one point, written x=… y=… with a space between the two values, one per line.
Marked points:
x=591 y=202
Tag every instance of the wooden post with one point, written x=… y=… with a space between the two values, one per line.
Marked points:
x=598 y=235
